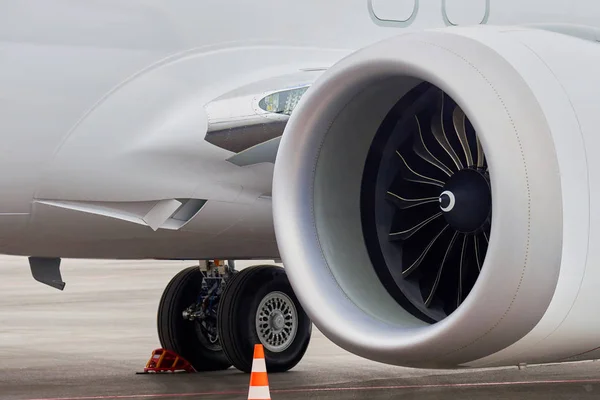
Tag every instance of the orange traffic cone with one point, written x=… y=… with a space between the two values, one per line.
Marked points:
x=259 y=382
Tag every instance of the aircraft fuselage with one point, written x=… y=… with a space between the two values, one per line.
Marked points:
x=103 y=112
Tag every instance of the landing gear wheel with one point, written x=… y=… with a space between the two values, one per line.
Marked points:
x=258 y=306
x=184 y=337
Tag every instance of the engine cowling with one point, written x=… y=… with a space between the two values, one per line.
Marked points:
x=432 y=199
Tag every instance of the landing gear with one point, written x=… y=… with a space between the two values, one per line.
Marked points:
x=187 y=321
x=214 y=316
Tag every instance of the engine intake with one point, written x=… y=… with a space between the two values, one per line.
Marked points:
x=426 y=203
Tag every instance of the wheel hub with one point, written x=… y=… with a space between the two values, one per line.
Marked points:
x=276 y=321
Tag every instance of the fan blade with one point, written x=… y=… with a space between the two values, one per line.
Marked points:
x=404 y=203
x=410 y=189
x=478 y=260
x=480 y=155
x=405 y=234
x=463 y=261
x=458 y=119
x=486 y=231
x=439 y=132
x=482 y=247
x=413 y=176
x=404 y=220
x=420 y=164
x=471 y=267
x=427 y=118
x=423 y=254
x=481 y=161
x=473 y=142
x=439 y=273
x=422 y=151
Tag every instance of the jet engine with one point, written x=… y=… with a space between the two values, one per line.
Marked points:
x=433 y=198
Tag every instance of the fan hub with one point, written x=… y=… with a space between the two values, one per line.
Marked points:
x=466 y=200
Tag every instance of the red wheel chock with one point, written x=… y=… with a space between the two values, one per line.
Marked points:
x=163 y=360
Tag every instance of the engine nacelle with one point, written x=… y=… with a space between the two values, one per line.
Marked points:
x=432 y=199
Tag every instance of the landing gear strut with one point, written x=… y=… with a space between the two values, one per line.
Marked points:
x=213 y=316
x=187 y=321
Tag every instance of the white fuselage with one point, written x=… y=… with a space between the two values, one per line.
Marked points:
x=103 y=111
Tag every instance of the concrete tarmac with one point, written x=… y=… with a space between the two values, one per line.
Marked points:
x=87 y=342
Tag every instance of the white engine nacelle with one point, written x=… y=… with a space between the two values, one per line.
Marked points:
x=493 y=260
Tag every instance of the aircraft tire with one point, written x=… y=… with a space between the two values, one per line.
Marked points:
x=249 y=294
x=179 y=335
